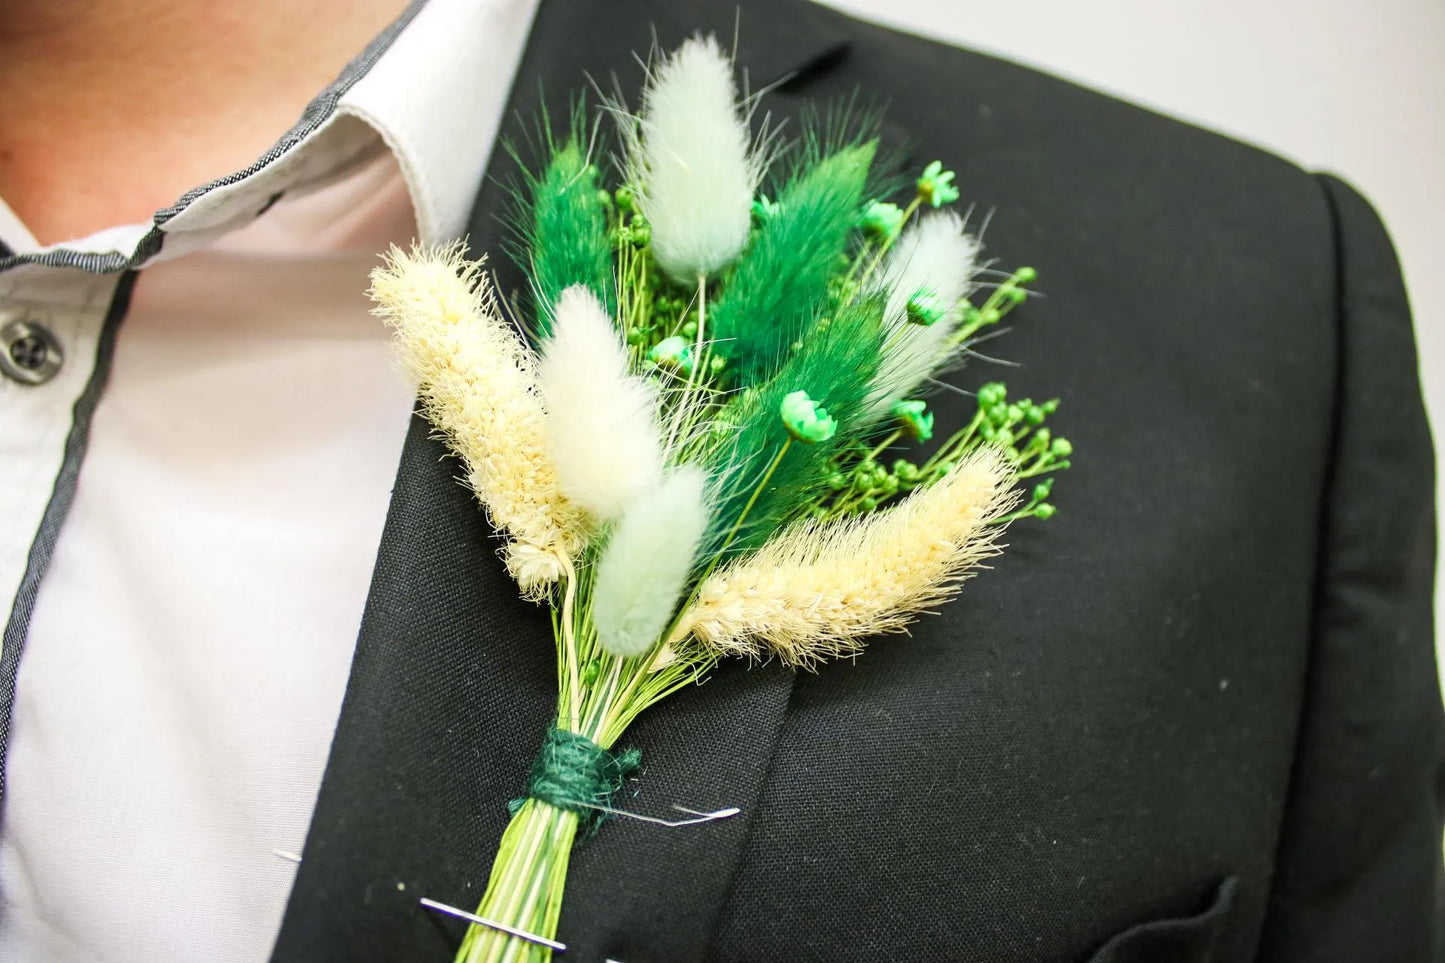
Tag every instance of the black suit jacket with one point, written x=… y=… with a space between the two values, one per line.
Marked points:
x=1193 y=718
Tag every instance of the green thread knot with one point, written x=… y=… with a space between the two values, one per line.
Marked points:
x=573 y=773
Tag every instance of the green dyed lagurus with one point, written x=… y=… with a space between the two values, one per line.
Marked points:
x=832 y=368
x=567 y=233
x=781 y=279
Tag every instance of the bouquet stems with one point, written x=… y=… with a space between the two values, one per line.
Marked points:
x=525 y=889
x=599 y=696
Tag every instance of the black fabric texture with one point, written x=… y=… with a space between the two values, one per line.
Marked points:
x=1189 y=939
x=1351 y=882
x=1208 y=682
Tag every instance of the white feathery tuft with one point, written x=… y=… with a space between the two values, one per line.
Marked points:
x=601 y=420
x=644 y=568
x=689 y=155
x=934 y=255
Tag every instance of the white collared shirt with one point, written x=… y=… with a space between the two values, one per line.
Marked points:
x=192 y=503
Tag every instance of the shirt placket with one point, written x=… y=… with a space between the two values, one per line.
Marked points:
x=52 y=326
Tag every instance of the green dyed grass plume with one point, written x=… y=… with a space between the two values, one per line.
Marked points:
x=781 y=281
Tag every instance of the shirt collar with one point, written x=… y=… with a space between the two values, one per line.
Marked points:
x=432 y=87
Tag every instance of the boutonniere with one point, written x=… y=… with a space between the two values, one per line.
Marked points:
x=693 y=444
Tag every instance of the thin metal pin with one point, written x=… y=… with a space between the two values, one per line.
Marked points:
x=698 y=817
x=432 y=904
x=719 y=814
x=287 y=854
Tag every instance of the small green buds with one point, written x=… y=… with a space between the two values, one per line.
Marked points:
x=992 y=394
x=674 y=354
x=641 y=231
x=1044 y=511
x=924 y=308
x=805 y=419
x=882 y=220
x=906 y=471
x=936 y=185
x=915 y=418
x=1061 y=448
x=636 y=232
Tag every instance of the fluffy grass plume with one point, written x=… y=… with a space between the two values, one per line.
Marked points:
x=933 y=261
x=781 y=280
x=644 y=567
x=601 y=420
x=565 y=232
x=477 y=384
x=835 y=366
x=820 y=590
x=689 y=155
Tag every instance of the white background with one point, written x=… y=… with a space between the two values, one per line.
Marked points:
x=1341 y=85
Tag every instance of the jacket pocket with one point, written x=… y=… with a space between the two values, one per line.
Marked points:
x=1185 y=939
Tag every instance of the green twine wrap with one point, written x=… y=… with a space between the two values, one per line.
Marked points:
x=573 y=773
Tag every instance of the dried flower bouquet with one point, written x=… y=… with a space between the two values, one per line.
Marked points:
x=683 y=450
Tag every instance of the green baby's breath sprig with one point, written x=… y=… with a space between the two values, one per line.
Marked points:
x=935 y=185
x=882 y=220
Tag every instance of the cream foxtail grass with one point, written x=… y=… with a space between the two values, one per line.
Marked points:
x=820 y=590
x=706 y=458
x=477 y=380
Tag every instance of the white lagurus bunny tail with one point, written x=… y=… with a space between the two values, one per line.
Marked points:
x=644 y=568
x=689 y=157
x=934 y=261
x=601 y=420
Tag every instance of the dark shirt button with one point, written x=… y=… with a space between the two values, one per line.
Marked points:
x=29 y=353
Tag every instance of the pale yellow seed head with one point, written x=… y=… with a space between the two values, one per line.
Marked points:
x=819 y=591
x=477 y=383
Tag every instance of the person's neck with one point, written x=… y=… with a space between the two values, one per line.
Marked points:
x=113 y=110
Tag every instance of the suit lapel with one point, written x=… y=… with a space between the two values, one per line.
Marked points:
x=452 y=682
